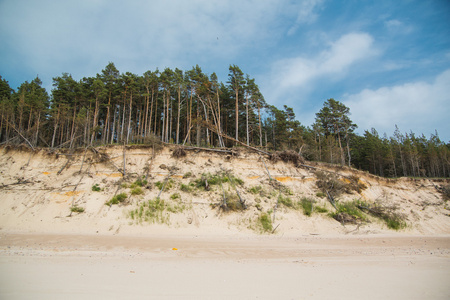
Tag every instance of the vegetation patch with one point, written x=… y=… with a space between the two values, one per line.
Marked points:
x=96 y=188
x=156 y=211
x=265 y=222
x=232 y=203
x=187 y=175
x=307 y=205
x=286 y=201
x=141 y=182
x=119 y=198
x=255 y=189
x=321 y=194
x=137 y=191
x=169 y=184
x=210 y=180
x=348 y=213
x=175 y=196
x=389 y=214
x=186 y=188
x=287 y=156
x=77 y=209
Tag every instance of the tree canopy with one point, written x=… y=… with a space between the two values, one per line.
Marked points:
x=191 y=107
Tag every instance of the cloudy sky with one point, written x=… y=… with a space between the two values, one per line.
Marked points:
x=389 y=61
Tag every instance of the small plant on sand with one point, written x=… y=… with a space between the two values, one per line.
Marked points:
x=307 y=206
x=156 y=211
x=286 y=201
x=265 y=222
x=119 y=198
x=96 y=188
x=140 y=182
x=187 y=175
x=137 y=191
x=167 y=186
x=255 y=189
x=185 y=188
x=321 y=194
x=175 y=196
x=77 y=209
x=388 y=214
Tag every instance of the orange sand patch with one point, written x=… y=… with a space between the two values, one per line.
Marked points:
x=109 y=174
x=253 y=177
x=72 y=193
x=46 y=173
x=177 y=176
x=283 y=178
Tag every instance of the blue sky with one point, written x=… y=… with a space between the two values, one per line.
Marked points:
x=389 y=61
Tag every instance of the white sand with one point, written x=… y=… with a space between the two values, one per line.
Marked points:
x=111 y=267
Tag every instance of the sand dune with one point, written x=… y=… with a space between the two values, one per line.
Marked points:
x=200 y=251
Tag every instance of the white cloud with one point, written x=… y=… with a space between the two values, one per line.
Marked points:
x=396 y=26
x=306 y=14
x=334 y=61
x=418 y=106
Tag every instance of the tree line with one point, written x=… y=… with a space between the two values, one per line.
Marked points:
x=194 y=108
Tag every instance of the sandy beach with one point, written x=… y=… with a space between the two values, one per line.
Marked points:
x=36 y=266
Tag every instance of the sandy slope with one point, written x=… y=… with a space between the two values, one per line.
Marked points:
x=48 y=253
x=40 y=189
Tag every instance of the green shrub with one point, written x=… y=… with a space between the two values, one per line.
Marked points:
x=185 y=188
x=139 y=183
x=175 y=196
x=96 y=188
x=265 y=222
x=321 y=194
x=119 y=198
x=286 y=201
x=255 y=189
x=77 y=209
x=187 y=175
x=137 y=191
x=168 y=186
x=307 y=206
x=320 y=209
x=155 y=211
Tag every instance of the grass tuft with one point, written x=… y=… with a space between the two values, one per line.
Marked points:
x=119 y=198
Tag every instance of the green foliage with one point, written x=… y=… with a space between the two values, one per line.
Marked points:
x=168 y=186
x=351 y=209
x=96 y=188
x=265 y=222
x=307 y=206
x=156 y=211
x=216 y=179
x=233 y=202
x=186 y=188
x=320 y=209
x=255 y=189
x=77 y=209
x=119 y=198
x=187 y=175
x=321 y=194
x=286 y=201
x=388 y=214
x=137 y=191
x=139 y=183
x=175 y=196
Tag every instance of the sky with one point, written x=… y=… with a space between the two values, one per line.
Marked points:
x=388 y=61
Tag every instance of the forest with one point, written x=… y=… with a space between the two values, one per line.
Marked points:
x=193 y=108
